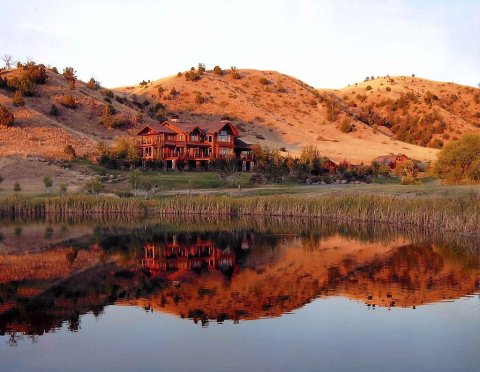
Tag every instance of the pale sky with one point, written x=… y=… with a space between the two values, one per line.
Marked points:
x=325 y=43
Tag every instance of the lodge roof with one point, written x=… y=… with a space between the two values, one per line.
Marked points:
x=187 y=127
x=157 y=127
x=240 y=144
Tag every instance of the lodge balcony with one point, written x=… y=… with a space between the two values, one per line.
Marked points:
x=199 y=157
x=156 y=142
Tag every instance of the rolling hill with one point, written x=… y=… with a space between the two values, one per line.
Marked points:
x=357 y=123
x=279 y=111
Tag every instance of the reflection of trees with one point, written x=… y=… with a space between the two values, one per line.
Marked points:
x=74 y=322
x=265 y=283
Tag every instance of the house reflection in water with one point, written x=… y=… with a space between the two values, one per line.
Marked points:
x=178 y=254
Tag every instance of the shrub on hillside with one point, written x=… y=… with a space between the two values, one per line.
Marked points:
x=200 y=99
x=69 y=152
x=192 y=75
x=68 y=101
x=234 y=73
x=218 y=70
x=388 y=89
x=369 y=87
x=436 y=143
x=17 y=99
x=264 y=81
x=3 y=83
x=107 y=93
x=36 y=73
x=6 y=117
x=54 y=111
x=120 y=99
x=346 y=127
x=93 y=84
x=120 y=121
x=70 y=75
x=23 y=84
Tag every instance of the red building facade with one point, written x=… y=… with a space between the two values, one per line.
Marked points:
x=193 y=145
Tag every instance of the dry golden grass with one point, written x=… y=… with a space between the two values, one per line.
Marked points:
x=286 y=112
x=458 y=106
x=50 y=265
x=37 y=133
x=268 y=107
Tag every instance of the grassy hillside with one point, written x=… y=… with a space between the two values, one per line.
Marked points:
x=400 y=115
x=38 y=132
x=414 y=110
x=275 y=110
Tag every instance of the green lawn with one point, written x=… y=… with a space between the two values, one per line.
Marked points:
x=168 y=180
x=194 y=180
x=209 y=182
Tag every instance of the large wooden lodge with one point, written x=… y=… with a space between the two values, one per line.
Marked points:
x=193 y=145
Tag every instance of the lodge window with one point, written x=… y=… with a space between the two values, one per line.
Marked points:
x=193 y=137
x=223 y=136
x=224 y=151
x=210 y=139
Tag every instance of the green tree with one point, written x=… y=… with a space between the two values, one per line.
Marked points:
x=134 y=180
x=47 y=181
x=145 y=184
x=94 y=187
x=63 y=189
x=226 y=168
x=17 y=187
x=459 y=161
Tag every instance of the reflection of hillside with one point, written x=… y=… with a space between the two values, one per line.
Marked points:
x=398 y=274
x=218 y=276
x=413 y=275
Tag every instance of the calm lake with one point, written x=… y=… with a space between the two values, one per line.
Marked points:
x=220 y=294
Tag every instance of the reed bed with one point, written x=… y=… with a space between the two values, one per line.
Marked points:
x=460 y=213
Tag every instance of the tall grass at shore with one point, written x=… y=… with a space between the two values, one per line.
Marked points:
x=460 y=213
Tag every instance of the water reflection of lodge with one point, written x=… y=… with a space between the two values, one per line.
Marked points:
x=176 y=256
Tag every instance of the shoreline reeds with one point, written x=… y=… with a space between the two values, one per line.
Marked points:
x=458 y=214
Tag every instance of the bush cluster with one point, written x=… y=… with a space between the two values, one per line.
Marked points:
x=17 y=99
x=68 y=101
x=6 y=117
